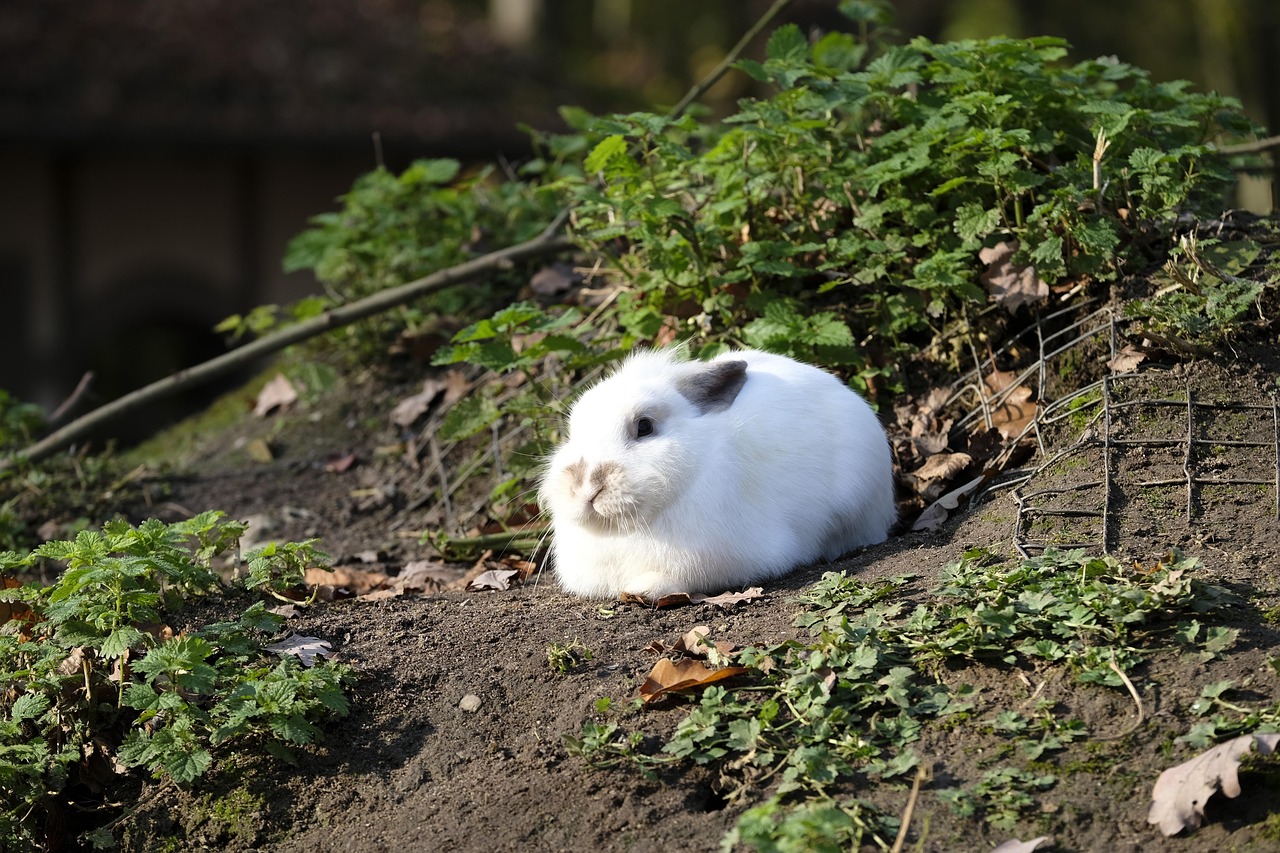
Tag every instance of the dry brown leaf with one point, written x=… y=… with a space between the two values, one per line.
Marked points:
x=1015 y=409
x=554 y=279
x=499 y=579
x=697 y=642
x=306 y=649
x=632 y=598
x=382 y=594
x=1180 y=794
x=415 y=406
x=340 y=464
x=358 y=581
x=279 y=393
x=1016 y=846
x=13 y=610
x=426 y=574
x=1011 y=285
x=668 y=676
x=937 y=513
x=942 y=466
x=72 y=663
x=525 y=568
x=725 y=600
x=1127 y=359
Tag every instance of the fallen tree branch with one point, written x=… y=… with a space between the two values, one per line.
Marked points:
x=731 y=57
x=546 y=243
x=1255 y=147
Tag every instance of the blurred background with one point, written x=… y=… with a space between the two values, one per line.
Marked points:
x=156 y=156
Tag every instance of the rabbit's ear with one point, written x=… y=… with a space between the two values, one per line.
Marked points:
x=713 y=387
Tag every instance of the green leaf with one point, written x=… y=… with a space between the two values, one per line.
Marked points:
x=973 y=222
x=187 y=767
x=29 y=706
x=605 y=153
x=787 y=44
x=468 y=417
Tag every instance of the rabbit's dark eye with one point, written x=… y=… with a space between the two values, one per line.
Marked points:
x=644 y=426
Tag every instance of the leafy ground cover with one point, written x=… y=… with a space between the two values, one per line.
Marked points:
x=887 y=210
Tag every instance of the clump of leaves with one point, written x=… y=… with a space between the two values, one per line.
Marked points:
x=564 y=658
x=1000 y=797
x=19 y=422
x=394 y=228
x=1207 y=289
x=877 y=183
x=95 y=681
x=846 y=703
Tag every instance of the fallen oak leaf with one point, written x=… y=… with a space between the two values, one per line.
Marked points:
x=697 y=642
x=499 y=579
x=1010 y=285
x=306 y=649
x=1179 y=796
x=1014 y=845
x=936 y=514
x=415 y=406
x=725 y=600
x=356 y=581
x=1127 y=359
x=279 y=393
x=943 y=466
x=1015 y=409
x=667 y=676
x=340 y=464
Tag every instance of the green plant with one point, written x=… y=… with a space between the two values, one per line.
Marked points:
x=94 y=677
x=19 y=421
x=848 y=702
x=874 y=184
x=1000 y=797
x=565 y=658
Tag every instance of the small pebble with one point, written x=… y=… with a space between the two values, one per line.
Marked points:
x=470 y=702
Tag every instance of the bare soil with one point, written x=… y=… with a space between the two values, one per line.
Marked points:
x=412 y=769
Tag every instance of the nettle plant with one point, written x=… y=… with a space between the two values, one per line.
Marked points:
x=95 y=682
x=851 y=204
x=848 y=701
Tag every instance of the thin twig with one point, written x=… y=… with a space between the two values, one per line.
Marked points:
x=343 y=315
x=1133 y=691
x=731 y=57
x=72 y=400
x=1255 y=147
x=921 y=776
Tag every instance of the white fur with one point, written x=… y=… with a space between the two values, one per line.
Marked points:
x=795 y=469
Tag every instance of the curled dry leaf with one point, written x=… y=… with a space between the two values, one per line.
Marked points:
x=499 y=579
x=340 y=464
x=726 y=600
x=943 y=466
x=940 y=510
x=306 y=649
x=1180 y=794
x=279 y=393
x=1011 y=408
x=424 y=575
x=1127 y=359
x=697 y=641
x=355 y=581
x=1015 y=846
x=1011 y=285
x=667 y=676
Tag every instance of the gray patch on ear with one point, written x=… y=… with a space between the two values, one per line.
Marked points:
x=715 y=386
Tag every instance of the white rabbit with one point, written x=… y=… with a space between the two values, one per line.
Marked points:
x=688 y=476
